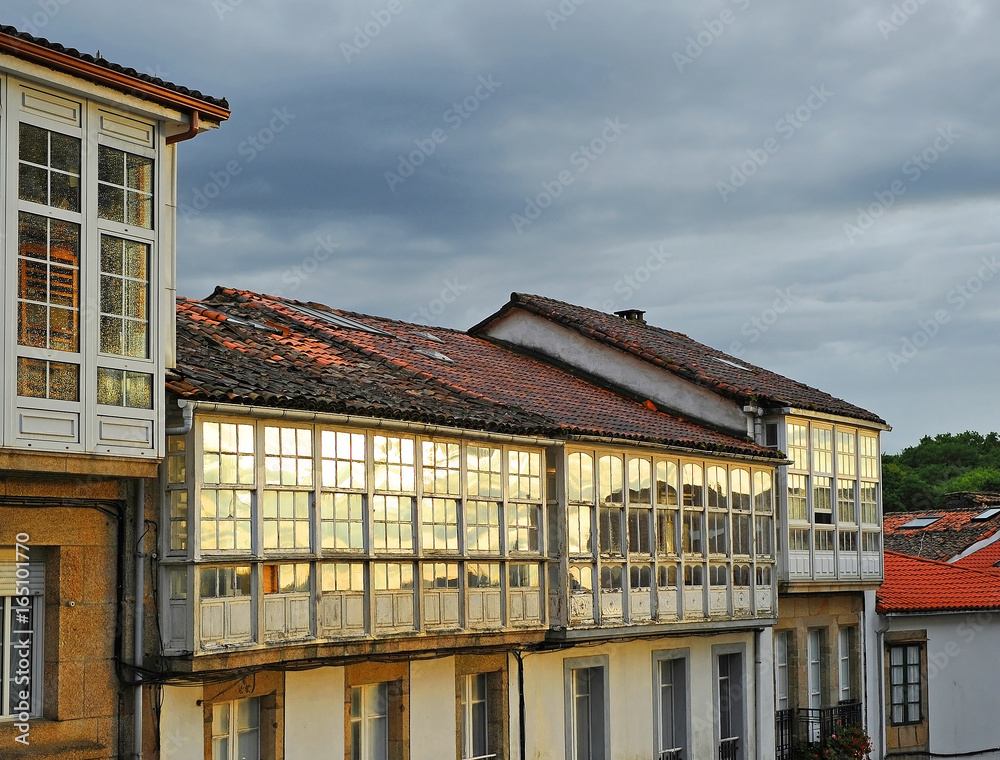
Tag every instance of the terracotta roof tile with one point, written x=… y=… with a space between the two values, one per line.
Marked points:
x=953 y=533
x=311 y=364
x=687 y=358
x=913 y=584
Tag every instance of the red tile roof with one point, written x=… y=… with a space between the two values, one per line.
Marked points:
x=986 y=559
x=943 y=539
x=913 y=584
x=297 y=361
x=687 y=358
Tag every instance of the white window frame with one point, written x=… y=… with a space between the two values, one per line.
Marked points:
x=469 y=717
x=10 y=603
x=845 y=662
x=781 y=641
x=682 y=656
x=368 y=721
x=718 y=684
x=232 y=735
x=599 y=710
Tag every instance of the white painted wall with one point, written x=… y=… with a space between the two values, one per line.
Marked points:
x=871 y=691
x=432 y=709
x=962 y=675
x=631 y=683
x=662 y=387
x=314 y=714
x=182 y=724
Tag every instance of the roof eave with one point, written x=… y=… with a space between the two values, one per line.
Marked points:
x=93 y=72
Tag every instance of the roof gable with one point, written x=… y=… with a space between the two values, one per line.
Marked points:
x=678 y=354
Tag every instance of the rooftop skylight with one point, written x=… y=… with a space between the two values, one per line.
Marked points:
x=921 y=522
x=731 y=363
x=428 y=336
x=434 y=355
x=337 y=320
x=992 y=512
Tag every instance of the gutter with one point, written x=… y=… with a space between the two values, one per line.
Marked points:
x=193 y=129
x=140 y=597
x=853 y=421
x=682 y=449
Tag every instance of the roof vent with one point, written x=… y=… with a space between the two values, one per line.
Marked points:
x=632 y=315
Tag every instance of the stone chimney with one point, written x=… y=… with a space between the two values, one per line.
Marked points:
x=632 y=315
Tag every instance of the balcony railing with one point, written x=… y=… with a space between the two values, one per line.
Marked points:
x=670 y=754
x=729 y=749
x=812 y=725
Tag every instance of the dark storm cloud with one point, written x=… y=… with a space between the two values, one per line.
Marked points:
x=757 y=152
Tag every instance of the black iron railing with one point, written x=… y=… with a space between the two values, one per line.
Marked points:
x=812 y=725
x=784 y=732
x=729 y=748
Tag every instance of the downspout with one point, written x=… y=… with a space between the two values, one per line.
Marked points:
x=192 y=130
x=879 y=654
x=520 y=705
x=184 y=428
x=757 y=706
x=140 y=596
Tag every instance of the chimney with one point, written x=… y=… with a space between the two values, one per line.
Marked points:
x=632 y=315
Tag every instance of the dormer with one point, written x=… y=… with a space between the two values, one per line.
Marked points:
x=88 y=178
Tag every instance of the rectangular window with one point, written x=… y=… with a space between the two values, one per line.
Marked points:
x=611 y=578
x=342 y=521
x=483 y=476
x=869 y=542
x=640 y=577
x=439 y=575
x=124 y=297
x=848 y=541
x=763 y=536
x=392 y=576
x=718 y=575
x=869 y=503
x=822 y=458
x=225 y=519
x=781 y=670
x=20 y=621
x=236 y=729
x=288 y=456
x=638 y=530
x=798 y=540
x=124 y=187
x=587 y=719
x=117 y=387
x=370 y=722
x=798 y=446
x=694 y=575
x=824 y=540
x=286 y=519
x=580 y=538
x=847 y=638
x=342 y=576
x=48 y=295
x=846 y=510
x=666 y=532
x=846 y=453
x=869 y=456
x=227 y=453
x=905 y=684
x=522 y=527
x=694 y=486
x=48 y=168
x=441 y=468
x=393 y=523
x=692 y=541
x=718 y=538
x=286 y=579
x=524 y=475
x=672 y=703
x=763 y=576
x=439 y=525
x=762 y=493
x=610 y=530
x=37 y=378
x=343 y=459
x=394 y=464
x=822 y=504
x=739 y=492
x=474 y=720
x=797 y=498
x=666 y=484
x=224 y=582
x=482 y=526
x=666 y=575
x=730 y=706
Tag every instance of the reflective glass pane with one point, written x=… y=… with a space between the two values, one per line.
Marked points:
x=64 y=381
x=31 y=377
x=140 y=172
x=110 y=165
x=65 y=154
x=33 y=144
x=111 y=335
x=138 y=390
x=110 y=387
x=65 y=191
x=135 y=339
x=111 y=203
x=111 y=254
x=32 y=184
x=32 y=232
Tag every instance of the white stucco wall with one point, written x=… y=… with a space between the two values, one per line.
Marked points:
x=631 y=683
x=963 y=674
x=432 y=709
x=662 y=387
x=314 y=714
x=871 y=691
x=182 y=724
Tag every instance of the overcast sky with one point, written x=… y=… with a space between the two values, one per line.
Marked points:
x=810 y=186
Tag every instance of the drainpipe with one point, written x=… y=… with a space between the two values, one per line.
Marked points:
x=140 y=595
x=520 y=704
x=192 y=130
x=187 y=409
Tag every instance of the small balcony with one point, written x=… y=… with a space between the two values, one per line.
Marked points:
x=812 y=726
